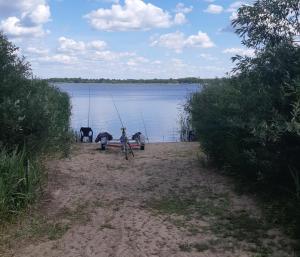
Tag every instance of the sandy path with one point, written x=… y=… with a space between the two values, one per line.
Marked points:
x=103 y=202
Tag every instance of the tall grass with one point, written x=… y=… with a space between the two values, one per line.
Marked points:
x=16 y=188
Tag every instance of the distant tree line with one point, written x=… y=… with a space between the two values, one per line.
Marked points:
x=189 y=80
x=249 y=124
x=34 y=120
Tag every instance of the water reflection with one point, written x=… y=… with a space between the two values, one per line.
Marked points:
x=155 y=107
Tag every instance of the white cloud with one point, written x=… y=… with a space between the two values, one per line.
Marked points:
x=41 y=14
x=134 y=15
x=123 y=65
x=177 y=41
x=11 y=8
x=59 y=58
x=208 y=57
x=239 y=51
x=37 y=51
x=181 y=8
x=179 y=18
x=234 y=6
x=111 y=55
x=24 y=17
x=70 y=45
x=92 y=50
x=173 y=41
x=12 y=26
x=199 y=40
x=214 y=9
x=105 y=55
x=97 y=45
x=137 y=61
x=78 y=55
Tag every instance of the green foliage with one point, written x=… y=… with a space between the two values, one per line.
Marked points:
x=249 y=124
x=38 y=227
x=268 y=22
x=32 y=113
x=34 y=118
x=15 y=190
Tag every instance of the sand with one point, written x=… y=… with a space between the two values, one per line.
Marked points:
x=105 y=206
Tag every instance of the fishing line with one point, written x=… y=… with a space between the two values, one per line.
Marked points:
x=89 y=107
x=145 y=127
x=117 y=111
x=123 y=131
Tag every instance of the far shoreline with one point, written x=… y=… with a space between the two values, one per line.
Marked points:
x=188 y=80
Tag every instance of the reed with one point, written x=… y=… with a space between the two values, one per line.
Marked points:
x=18 y=181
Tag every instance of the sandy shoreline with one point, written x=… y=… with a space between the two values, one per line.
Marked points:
x=159 y=203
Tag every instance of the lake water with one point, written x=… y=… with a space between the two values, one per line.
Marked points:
x=152 y=109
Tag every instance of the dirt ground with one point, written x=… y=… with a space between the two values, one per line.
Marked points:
x=162 y=203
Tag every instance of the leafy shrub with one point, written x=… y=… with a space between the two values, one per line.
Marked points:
x=34 y=118
x=249 y=124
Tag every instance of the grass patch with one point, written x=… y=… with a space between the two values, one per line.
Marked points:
x=232 y=227
x=192 y=205
x=170 y=206
x=77 y=215
x=57 y=230
x=39 y=228
x=34 y=227
x=201 y=247
x=19 y=181
x=239 y=225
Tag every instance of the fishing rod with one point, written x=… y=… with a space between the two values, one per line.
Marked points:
x=144 y=126
x=124 y=136
x=89 y=107
x=117 y=111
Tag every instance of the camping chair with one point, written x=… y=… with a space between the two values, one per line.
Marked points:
x=86 y=132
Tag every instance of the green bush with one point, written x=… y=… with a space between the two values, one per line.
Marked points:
x=249 y=124
x=34 y=118
x=32 y=113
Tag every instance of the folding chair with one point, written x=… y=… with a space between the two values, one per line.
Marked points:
x=86 y=132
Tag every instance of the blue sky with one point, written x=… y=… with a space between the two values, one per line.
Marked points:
x=125 y=38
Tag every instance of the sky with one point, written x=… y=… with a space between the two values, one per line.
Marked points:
x=124 y=39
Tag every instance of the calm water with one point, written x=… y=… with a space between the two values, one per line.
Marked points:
x=155 y=107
